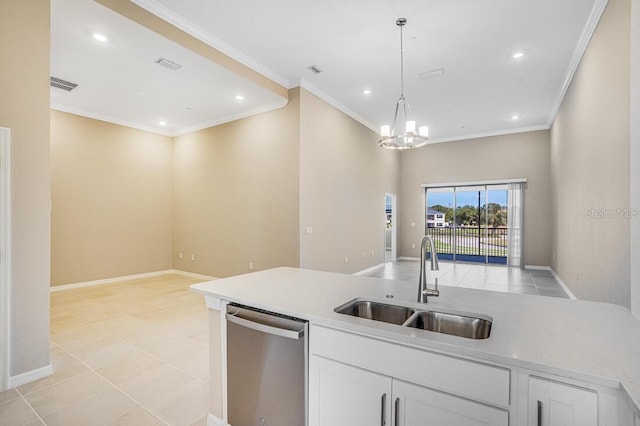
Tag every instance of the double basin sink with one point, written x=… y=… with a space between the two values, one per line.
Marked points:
x=462 y=324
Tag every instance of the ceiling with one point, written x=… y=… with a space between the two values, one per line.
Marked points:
x=356 y=45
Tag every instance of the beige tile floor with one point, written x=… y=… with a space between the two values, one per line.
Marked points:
x=130 y=353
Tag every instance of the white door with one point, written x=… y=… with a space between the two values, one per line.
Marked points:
x=347 y=396
x=557 y=404
x=417 y=406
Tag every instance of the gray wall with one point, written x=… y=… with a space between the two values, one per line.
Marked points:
x=343 y=179
x=590 y=167
x=521 y=155
x=24 y=43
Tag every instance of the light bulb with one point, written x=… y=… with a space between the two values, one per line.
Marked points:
x=410 y=127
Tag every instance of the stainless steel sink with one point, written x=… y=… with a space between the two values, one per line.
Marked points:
x=455 y=324
x=463 y=324
x=376 y=311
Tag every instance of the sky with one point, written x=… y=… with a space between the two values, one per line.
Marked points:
x=466 y=198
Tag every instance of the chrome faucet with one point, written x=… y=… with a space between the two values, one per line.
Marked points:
x=423 y=290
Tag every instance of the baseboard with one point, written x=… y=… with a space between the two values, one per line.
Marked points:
x=214 y=421
x=109 y=280
x=371 y=269
x=194 y=275
x=127 y=278
x=563 y=285
x=537 y=268
x=417 y=259
x=30 y=376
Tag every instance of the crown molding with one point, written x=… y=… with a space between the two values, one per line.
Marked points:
x=183 y=131
x=490 y=134
x=305 y=84
x=583 y=43
x=178 y=21
x=229 y=118
x=102 y=117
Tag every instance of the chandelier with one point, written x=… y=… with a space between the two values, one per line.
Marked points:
x=392 y=137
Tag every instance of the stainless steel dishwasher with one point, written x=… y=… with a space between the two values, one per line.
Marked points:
x=266 y=368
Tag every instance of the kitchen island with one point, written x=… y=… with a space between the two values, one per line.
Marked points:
x=539 y=347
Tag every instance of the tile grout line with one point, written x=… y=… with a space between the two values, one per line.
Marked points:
x=31 y=407
x=91 y=369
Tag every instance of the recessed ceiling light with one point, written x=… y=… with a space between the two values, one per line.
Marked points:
x=162 y=123
x=189 y=109
x=366 y=91
x=239 y=97
x=517 y=55
x=100 y=37
x=515 y=117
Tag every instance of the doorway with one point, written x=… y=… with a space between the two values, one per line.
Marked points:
x=471 y=223
x=391 y=225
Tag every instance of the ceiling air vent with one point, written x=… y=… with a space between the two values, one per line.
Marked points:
x=168 y=64
x=314 y=69
x=63 y=84
x=432 y=74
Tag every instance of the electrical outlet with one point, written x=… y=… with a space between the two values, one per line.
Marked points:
x=193 y=257
x=251 y=266
x=372 y=255
x=180 y=255
x=413 y=245
x=346 y=259
x=364 y=255
x=413 y=224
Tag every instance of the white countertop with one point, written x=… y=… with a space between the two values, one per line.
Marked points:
x=593 y=342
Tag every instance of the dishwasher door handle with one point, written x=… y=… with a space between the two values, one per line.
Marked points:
x=264 y=328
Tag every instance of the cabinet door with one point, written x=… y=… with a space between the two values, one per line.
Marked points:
x=557 y=404
x=416 y=406
x=341 y=395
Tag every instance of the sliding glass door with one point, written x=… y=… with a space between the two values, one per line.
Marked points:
x=469 y=223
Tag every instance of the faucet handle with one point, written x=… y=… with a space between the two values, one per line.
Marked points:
x=432 y=292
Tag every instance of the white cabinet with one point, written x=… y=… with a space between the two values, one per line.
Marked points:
x=557 y=404
x=413 y=404
x=350 y=396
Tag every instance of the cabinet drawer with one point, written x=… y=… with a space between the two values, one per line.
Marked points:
x=474 y=380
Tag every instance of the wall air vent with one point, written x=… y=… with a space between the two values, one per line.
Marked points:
x=168 y=64
x=432 y=74
x=63 y=84
x=314 y=69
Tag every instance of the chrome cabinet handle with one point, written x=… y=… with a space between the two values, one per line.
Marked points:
x=539 y=413
x=397 y=413
x=382 y=412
